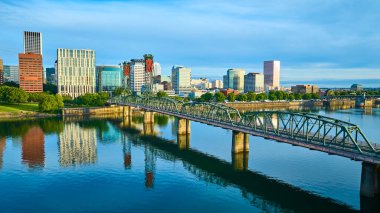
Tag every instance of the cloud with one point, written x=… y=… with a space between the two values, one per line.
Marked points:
x=336 y=34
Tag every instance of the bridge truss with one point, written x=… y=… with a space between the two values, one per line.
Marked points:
x=309 y=130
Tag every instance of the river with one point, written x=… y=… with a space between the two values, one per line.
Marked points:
x=103 y=165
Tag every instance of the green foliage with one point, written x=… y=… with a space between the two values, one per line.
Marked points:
x=219 y=97
x=120 y=91
x=251 y=96
x=315 y=96
x=330 y=92
x=13 y=95
x=291 y=97
x=261 y=97
x=92 y=99
x=307 y=96
x=11 y=84
x=206 y=97
x=59 y=100
x=241 y=97
x=162 y=94
x=48 y=103
x=298 y=96
x=50 y=88
x=231 y=97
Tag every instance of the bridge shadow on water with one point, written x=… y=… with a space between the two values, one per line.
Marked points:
x=263 y=192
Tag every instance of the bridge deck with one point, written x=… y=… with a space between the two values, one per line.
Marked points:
x=333 y=149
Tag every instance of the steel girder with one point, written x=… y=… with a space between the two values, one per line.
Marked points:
x=310 y=128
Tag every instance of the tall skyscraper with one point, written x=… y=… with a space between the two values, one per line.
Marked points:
x=50 y=75
x=181 y=79
x=11 y=73
x=109 y=78
x=75 y=71
x=33 y=42
x=1 y=71
x=157 y=69
x=137 y=74
x=30 y=70
x=272 y=74
x=234 y=79
x=254 y=82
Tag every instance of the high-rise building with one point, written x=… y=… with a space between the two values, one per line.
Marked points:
x=234 y=79
x=11 y=74
x=218 y=84
x=50 y=75
x=137 y=74
x=109 y=78
x=272 y=74
x=1 y=71
x=181 y=80
x=157 y=69
x=33 y=42
x=254 y=82
x=75 y=70
x=30 y=70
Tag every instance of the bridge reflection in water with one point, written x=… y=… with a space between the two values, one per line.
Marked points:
x=263 y=192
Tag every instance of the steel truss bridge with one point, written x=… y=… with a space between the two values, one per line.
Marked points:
x=333 y=97
x=311 y=131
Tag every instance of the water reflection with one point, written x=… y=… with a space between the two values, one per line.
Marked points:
x=33 y=147
x=2 y=148
x=265 y=193
x=77 y=145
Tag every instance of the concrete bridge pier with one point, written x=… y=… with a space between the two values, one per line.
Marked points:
x=370 y=180
x=127 y=111
x=183 y=133
x=148 y=117
x=240 y=150
x=183 y=126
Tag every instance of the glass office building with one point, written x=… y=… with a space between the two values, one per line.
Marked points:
x=109 y=78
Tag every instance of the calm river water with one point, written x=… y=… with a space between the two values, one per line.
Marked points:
x=105 y=165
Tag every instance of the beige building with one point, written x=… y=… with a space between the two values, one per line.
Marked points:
x=1 y=71
x=272 y=74
x=303 y=89
x=217 y=84
x=254 y=82
x=76 y=72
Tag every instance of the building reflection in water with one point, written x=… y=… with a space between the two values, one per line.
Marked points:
x=2 y=148
x=127 y=153
x=77 y=145
x=33 y=147
x=150 y=165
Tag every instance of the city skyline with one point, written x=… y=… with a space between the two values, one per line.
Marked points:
x=208 y=37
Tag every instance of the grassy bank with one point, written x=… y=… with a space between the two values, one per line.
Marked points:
x=29 y=107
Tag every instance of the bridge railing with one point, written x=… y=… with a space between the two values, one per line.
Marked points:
x=308 y=128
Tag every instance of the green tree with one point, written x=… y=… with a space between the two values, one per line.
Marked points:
x=206 y=97
x=162 y=94
x=315 y=96
x=50 y=88
x=251 y=96
x=231 y=97
x=219 y=97
x=59 y=100
x=307 y=96
x=48 y=103
x=297 y=96
x=291 y=97
x=241 y=97
x=11 y=84
x=272 y=97
x=261 y=97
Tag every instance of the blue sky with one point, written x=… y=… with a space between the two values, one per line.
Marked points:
x=314 y=39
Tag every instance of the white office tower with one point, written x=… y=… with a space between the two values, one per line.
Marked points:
x=137 y=74
x=157 y=69
x=76 y=72
x=181 y=80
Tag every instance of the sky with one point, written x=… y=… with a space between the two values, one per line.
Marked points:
x=313 y=39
